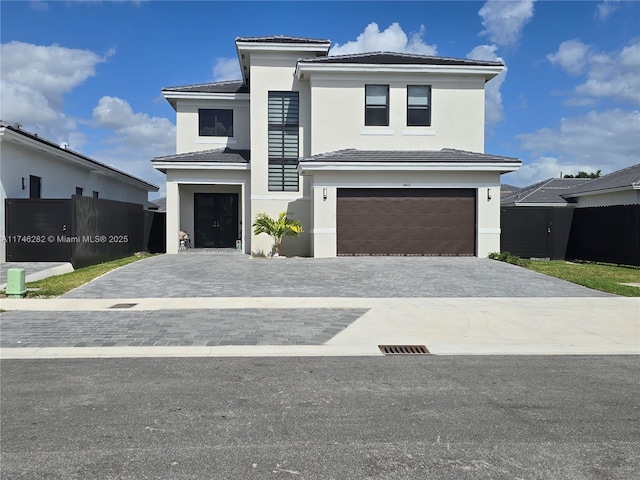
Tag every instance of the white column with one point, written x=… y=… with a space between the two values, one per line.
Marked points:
x=173 y=216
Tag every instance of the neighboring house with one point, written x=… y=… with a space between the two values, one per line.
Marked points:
x=376 y=153
x=32 y=167
x=548 y=193
x=621 y=187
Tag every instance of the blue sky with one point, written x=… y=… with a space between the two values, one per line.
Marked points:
x=90 y=73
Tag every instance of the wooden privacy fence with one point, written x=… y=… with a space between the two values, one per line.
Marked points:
x=81 y=230
x=598 y=234
x=606 y=234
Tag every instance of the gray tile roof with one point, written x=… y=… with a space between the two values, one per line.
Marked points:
x=627 y=177
x=547 y=191
x=17 y=128
x=235 y=86
x=429 y=156
x=391 y=58
x=220 y=155
x=281 y=39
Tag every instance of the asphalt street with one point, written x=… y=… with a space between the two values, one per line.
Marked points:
x=427 y=417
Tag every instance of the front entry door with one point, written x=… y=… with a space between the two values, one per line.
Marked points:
x=216 y=220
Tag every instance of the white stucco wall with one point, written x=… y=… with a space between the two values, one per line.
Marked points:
x=624 y=197
x=183 y=183
x=338 y=111
x=59 y=175
x=187 y=127
x=324 y=210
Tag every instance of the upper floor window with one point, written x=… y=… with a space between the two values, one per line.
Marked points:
x=418 y=105
x=284 y=124
x=376 y=105
x=96 y=194
x=215 y=122
x=79 y=191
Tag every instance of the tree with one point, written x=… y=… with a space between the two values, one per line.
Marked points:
x=585 y=175
x=277 y=229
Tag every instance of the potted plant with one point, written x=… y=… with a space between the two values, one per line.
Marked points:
x=277 y=229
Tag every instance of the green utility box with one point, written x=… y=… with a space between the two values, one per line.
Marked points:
x=15 y=283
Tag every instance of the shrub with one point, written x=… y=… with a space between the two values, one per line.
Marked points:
x=508 y=258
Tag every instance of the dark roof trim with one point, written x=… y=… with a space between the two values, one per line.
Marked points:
x=148 y=186
x=446 y=155
x=220 y=155
x=282 y=39
x=393 y=58
x=626 y=178
x=234 y=86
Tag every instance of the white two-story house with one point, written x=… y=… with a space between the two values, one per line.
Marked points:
x=376 y=153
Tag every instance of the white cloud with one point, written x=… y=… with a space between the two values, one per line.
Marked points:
x=544 y=168
x=606 y=141
x=38 y=6
x=148 y=136
x=606 y=8
x=504 y=20
x=611 y=75
x=494 y=112
x=135 y=138
x=571 y=56
x=226 y=69
x=34 y=81
x=393 y=39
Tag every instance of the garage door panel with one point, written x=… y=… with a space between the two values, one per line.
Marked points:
x=406 y=222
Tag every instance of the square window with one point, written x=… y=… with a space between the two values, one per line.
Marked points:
x=376 y=105
x=418 y=105
x=215 y=122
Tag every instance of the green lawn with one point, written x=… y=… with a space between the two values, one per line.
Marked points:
x=606 y=278
x=61 y=284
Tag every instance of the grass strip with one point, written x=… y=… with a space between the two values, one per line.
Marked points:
x=603 y=277
x=61 y=284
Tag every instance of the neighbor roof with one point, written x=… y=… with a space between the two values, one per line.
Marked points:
x=220 y=155
x=235 y=86
x=547 y=191
x=281 y=39
x=89 y=162
x=391 y=58
x=626 y=178
x=431 y=156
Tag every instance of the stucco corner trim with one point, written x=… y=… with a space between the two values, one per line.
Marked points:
x=330 y=231
x=491 y=231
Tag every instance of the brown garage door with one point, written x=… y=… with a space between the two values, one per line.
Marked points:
x=406 y=221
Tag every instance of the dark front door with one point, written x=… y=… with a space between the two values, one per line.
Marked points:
x=216 y=220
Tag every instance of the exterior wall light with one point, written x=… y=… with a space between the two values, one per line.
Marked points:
x=24 y=185
x=324 y=193
x=488 y=194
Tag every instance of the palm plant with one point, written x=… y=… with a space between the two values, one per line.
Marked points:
x=277 y=229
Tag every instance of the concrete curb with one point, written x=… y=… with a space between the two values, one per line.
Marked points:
x=46 y=273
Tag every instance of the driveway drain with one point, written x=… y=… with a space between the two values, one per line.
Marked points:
x=404 y=349
x=123 y=305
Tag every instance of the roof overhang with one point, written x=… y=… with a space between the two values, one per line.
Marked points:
x=163 y=166
x=28 y=140
x=317 y=166
x=305 y=69
x=601 y=192
x=172 y=96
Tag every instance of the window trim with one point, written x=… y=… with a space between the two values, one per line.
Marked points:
x=367 y=106
x=428 y=108
x=215 y=135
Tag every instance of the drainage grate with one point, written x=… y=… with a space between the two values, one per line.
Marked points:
x=404 y=349
x=123 y=305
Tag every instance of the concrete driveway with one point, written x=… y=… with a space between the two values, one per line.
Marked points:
x=226 y=304
x=237 y=275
